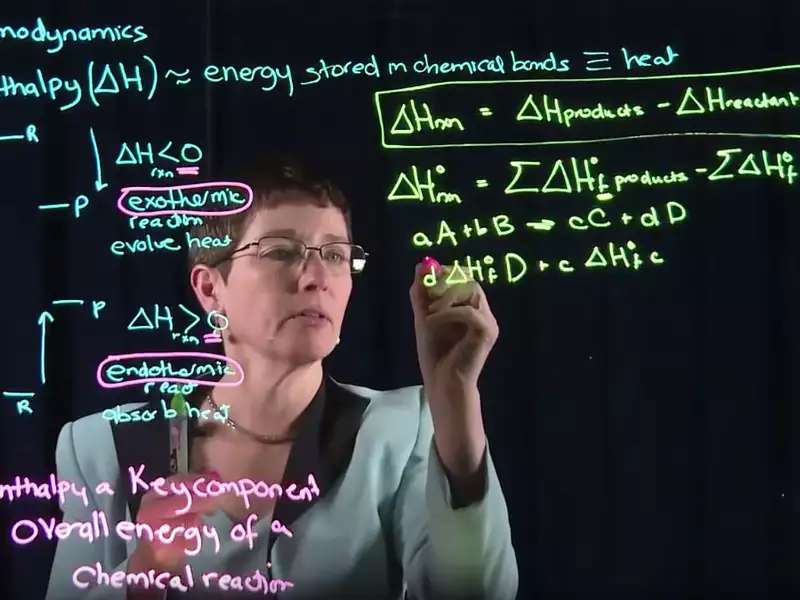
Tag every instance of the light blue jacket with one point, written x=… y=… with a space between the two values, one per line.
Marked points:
x=383 y=522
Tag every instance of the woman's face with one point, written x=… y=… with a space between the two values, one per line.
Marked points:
x=262 y=295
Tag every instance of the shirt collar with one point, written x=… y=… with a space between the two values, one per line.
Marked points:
x=326 y=434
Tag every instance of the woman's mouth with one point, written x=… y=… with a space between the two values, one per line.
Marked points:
x=311 y=319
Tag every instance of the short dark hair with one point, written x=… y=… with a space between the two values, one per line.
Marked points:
x=267 y=176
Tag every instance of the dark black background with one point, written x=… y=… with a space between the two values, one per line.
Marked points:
x=641 y=422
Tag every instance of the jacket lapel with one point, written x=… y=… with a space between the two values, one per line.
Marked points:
x=323 y=447
x=142 y=443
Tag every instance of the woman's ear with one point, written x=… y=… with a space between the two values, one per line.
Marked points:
x=207 y=284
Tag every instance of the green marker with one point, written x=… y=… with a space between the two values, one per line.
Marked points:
x=178 y=404
x=179 y=436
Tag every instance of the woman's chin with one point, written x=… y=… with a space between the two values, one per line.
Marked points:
x=308 y=350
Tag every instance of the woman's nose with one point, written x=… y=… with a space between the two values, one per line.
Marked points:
x=314 y=268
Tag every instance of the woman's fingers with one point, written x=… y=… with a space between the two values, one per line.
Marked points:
x=460 y=293
x=181 y=498
x=430 y=283
x=170 y=555
x=181 y=504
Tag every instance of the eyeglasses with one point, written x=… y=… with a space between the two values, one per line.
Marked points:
x=337 y=256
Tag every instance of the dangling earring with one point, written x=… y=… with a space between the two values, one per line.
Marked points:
x=219 y=322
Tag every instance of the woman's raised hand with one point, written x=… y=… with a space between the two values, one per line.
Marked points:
x=157 y=510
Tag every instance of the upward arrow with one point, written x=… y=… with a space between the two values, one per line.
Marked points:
x=42 y=321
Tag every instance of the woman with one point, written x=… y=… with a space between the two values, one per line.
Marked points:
x=401 y=492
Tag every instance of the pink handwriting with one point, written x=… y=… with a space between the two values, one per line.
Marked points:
x=243 y=488
x=85 y=576
x=256 y=582
x=170 y=199
x=170 y=374
x=49 y=490
x=25 y=531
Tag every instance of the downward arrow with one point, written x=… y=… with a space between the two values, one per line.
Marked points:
x=99 y=184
